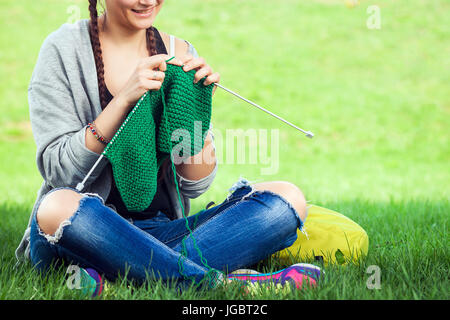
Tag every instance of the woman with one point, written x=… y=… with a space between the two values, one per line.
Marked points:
x=88 y=77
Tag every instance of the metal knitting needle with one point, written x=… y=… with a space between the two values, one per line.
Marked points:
x=80 y=186
x=309 y=134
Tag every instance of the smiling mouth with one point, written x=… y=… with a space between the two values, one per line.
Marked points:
x=146 y=11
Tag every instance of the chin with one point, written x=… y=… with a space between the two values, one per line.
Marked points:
x=141 y=25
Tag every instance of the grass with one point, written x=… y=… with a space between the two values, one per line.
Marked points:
x=377 y=101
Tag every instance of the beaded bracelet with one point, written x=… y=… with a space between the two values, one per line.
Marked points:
x=96 y=133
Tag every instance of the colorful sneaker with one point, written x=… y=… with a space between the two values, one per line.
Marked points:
x=310 y=270
x=296 y=275
x=91 y=282
x=305 y=268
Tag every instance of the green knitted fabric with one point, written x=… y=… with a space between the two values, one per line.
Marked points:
x=144 y=140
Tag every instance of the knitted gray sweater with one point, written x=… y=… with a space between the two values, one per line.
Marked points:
x=63 y=98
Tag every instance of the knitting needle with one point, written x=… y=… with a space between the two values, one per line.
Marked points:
x=80 y=186
x=309 y=134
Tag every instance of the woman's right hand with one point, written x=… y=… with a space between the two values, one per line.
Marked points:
x=149 y=75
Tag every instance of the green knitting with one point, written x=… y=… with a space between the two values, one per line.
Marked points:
x=144 y=140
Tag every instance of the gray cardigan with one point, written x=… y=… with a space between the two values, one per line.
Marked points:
x=63 y=98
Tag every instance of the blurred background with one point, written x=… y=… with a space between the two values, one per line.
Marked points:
x=370 y=79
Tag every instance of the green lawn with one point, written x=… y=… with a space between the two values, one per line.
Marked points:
x=378 y=102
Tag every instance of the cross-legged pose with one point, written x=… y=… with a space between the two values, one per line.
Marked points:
x=87 y=78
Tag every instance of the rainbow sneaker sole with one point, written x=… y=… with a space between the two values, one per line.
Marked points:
x=297 y=275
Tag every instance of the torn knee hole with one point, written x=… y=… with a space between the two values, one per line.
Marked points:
x=54 y=238
x=55 y=212
x=242 y=182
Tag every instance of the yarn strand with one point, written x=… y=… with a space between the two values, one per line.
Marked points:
x=183 y=254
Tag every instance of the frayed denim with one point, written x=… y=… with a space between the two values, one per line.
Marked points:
x=247 y=227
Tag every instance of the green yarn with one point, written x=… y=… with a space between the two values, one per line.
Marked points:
x=212 y=273
x=143 y=142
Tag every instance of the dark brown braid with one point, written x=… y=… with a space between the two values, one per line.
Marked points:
x=151 y=41
x=97 y=49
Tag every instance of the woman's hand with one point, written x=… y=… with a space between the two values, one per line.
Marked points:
x=149 y=75
x=203 y=70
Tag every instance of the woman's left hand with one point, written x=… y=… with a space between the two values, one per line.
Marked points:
x=203 y=70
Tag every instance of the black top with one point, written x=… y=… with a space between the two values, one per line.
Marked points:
x=161 y=201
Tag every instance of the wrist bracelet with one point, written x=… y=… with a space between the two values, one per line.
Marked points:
x=96 y=133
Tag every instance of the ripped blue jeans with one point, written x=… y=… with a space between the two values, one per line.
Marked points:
x=248 y=226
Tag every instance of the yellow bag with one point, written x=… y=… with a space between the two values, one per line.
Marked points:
x=330 y=236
